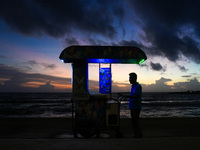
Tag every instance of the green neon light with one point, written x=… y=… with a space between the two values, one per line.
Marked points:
x=141 y=61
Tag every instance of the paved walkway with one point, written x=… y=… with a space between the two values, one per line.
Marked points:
x=172 y=143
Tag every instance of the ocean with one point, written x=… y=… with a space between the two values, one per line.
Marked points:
x=43 y=105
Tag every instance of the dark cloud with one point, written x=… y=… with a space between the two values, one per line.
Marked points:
x=161 y=86
x=47 y=87
x=144 y=65
x=7 y=71
x=71 y=41
x=57 y=18
x=32 y=63
x=182 y=68
x=130 y=43
x=192 y=84
x=162 y=80
x=2 y=56
x=157 y=67
x=16 y=79
x=172 y=27
x=49 y=66
x=186 y=76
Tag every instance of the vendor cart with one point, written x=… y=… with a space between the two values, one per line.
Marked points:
x=93 y=112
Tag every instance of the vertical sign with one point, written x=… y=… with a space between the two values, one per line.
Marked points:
x=105 y=80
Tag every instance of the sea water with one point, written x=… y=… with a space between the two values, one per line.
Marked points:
x=154 y=105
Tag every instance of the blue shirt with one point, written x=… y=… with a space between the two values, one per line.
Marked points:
x=136 y=103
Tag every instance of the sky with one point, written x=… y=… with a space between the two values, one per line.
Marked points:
x=33 y=33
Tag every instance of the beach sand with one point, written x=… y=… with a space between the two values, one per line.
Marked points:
x=56 y=133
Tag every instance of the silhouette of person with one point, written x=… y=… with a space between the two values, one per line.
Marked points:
x=135 y=103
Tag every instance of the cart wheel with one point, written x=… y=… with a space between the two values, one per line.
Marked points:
x=87 y=129
x=119 y=134
x=75 y=134
x=97 y=134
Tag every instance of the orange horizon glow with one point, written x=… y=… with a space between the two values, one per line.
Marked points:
x=62 y=86
x=2 y=80
x=32 y=84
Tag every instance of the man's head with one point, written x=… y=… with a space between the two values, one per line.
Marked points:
x=132 y=78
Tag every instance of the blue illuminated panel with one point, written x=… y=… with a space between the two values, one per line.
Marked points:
x=105 y=60
x=105 y=80
x=125 y=61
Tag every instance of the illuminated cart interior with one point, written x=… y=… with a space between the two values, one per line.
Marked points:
x=92 y=112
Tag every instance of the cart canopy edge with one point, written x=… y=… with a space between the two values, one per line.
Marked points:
x=103 y=54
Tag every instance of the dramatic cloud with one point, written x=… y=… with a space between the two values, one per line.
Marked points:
x=47 y=87
x=186 y=76
x=57 y=18
x=169 y=29
x=162 y=81
x=34 y=63
x=71 y=41
x=193 y=85
x=130 y=43
x=14 y=80
x=157 y=67
x=49 y=66
x=1 y=56
x=18 y=81
x=182 y=68
x=172 y=28
x=161 y=86
x=7 y=71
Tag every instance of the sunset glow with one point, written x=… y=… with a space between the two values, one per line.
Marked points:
x=30 y=48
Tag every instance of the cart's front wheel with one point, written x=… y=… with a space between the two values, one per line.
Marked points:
x=75 y=134
x=119 y=134
x=87 y=129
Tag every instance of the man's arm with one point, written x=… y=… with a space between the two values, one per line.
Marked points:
x=128 y=96
x=135 y=96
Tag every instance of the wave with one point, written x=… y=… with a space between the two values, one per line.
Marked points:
x=59 y=105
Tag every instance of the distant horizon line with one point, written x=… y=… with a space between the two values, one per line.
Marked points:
x=189 y=92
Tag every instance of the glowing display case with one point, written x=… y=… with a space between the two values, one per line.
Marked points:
x=105 y=80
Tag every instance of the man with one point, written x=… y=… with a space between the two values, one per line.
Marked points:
x=135 y=103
